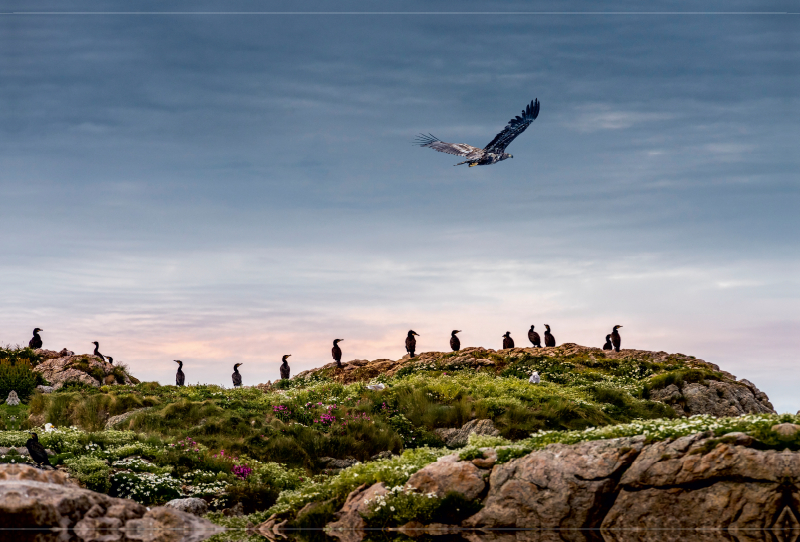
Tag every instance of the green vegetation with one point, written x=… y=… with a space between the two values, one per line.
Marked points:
x=16 y=372
x=262 y=447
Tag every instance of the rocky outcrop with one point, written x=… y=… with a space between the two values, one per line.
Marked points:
x=455 y=437
x=349 y=524
x=33 y=498
x=58 y=368
x=448 y=475
x=725 y=397
x=191 y=505
x=715 y=398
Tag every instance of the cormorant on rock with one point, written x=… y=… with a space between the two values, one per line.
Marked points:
x=96 y=351
x=508 y=342
x=411 y=342
x=455 y=344
x=549 y=340
x=36 y=341
x=285 y=368
x=110 y=360
x=608 y=346
x=37 y=451
x=616 y=340
x=534 y=338
x=180 y=378
x=237 y=378
x=336 y=352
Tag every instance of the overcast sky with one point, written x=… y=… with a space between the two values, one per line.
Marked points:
x=233 y=187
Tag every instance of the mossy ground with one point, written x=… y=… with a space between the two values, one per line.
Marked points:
x=193 y=436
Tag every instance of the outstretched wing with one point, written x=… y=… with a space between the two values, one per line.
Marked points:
x=459 y=149
x=515 y=127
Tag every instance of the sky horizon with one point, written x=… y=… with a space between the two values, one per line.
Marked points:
x=231 y=182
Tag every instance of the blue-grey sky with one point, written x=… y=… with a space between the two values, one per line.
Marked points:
x=223 y=187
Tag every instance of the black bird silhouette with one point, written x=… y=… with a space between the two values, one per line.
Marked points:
x=285 y=368
x=455 y=344
x=411 y=342
x=180 y=378
x=608 y=346
x=237 y=378
x=37 y=451
x=96 y=351
x=534 y=338
x=336 y=352
x=549 y=340
x=36 y=340
x=616 y=340
x=110 y=360
x=508 y=342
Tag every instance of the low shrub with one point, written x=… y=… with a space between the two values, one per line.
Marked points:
x=19 y=377
x=91 y=472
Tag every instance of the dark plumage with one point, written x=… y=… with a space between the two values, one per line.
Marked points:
x=508 y=342
x=180 y=378
x=455 y=344
x=37 y=451
x=534 y=338
x=494 y=151
x=110 y=360
x=549 y=340
x=616 y=340
x=411 y=342
x=237 y=378
x=36 y=340
x=97 y=351
x=607 y=346
x=285 y=368
x=336 y=352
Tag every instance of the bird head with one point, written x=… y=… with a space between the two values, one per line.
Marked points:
x=236 y=366
x=34 y=436
x=337 y=341
x=608 y=337
x=178 y=361
x=532 y=327
x=284 y=358
x=37 y=330
x=508 y=334
x=617 y=327
x=455 y=331
x=110 y=359
x=411 y=333
x=97 y=344
x=548 y=327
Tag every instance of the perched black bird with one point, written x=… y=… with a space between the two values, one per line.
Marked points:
x=607 y=346
x=534 y=338
x=549 y=340
x=508 y=342
x=336 y=352
x=36 y=341
x=180 y=378
x=455 y=344
x=237 y=378
x=97 y=352
x=411 y=342
x=285 y=368
x=37 y=451
x=616 y=340
x=110 y=360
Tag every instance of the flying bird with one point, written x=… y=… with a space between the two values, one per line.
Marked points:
x=616 y=340
x=37 y=451
x=411 y=342
x=180 y=378
x=534 y=338
x=237 y=378
x=285 y=367
x=336 y=352
x=455 y=343
x=608 y=346
x=493 y=152
x=549 y=340
x=508 y=342
x=97 y=350
x=36 y=340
